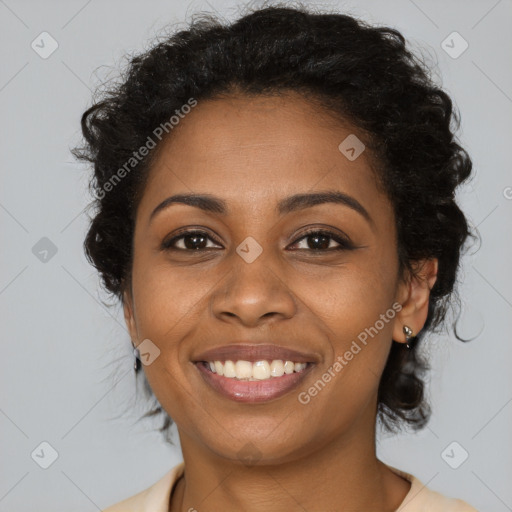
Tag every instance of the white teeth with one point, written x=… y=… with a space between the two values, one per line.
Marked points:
x=298 y=367
x=277 y=368
x=229 y=369
x=243 y=369
x=289 y=367
x=259 y=370
x=219 y=368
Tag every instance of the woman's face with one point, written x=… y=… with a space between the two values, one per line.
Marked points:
x=254 y=277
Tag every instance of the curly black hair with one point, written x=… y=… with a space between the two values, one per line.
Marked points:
x=357 y=72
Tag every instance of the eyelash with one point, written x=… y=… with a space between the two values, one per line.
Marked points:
x=344 y=244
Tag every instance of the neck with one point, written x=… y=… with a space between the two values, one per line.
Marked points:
x=344 y=474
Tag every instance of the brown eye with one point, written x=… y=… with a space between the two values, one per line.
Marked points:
x=316 y=241
x=320 y=240
x=189 y=241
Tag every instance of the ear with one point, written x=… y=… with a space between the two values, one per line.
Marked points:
x=413 y=294
x=129 y=316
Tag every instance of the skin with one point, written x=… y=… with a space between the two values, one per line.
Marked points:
x=310 y=457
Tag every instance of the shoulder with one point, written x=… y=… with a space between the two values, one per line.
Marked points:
x=155 y=498
x=422 y=499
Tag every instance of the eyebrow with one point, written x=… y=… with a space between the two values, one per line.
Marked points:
x=213 y=204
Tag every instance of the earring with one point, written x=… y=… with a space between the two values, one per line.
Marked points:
x=409 y=336
x=136 y=363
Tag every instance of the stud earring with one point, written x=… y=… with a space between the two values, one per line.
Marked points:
x=409 y=336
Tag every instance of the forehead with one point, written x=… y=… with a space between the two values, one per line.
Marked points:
x=251 y=151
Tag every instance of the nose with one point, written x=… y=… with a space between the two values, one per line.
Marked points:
x=253 y=293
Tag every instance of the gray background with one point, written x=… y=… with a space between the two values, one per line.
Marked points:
x=67 y=366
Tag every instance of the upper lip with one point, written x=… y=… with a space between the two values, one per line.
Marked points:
x=255 y=352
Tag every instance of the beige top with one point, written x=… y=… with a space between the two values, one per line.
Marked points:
x=418 y=499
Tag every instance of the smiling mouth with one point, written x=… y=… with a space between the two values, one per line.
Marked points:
x=253 y=382
x=254 y=371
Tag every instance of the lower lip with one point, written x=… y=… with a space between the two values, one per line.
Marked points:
x=252 y=391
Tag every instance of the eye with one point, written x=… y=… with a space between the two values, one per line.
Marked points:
x=195 y=240
x=189 y=240
x=321 y=241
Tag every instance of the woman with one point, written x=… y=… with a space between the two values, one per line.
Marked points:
x=275 y=210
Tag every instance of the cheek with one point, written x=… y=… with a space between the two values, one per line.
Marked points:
x=166 y=298
x=354 y=307
x=349 y=298
x=166 y=307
